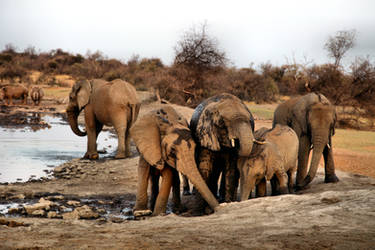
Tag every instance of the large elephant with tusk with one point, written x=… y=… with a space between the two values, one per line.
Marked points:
x=223 y=129
x=313 y=118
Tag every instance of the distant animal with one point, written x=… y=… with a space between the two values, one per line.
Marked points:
x=36 y=94
x=274 y=157
x=313 y=118
x=15 y=91
x=112 y=103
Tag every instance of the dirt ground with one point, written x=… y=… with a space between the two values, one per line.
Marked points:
x=324 y=216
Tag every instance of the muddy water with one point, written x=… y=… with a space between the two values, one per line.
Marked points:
x=26 y=153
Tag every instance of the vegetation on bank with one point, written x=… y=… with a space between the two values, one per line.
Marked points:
x=200 y=70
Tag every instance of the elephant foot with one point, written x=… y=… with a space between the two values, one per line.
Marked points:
x=140 y=213
x=332 y=178
x=283 y=190
x=91 y=156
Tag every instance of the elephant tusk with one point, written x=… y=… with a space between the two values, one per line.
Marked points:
x=259 y=142
x=329 y=146
x=233 y=142
x=312 y=146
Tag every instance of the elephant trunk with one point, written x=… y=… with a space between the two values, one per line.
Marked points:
x=247 y=181
x=319 y=144
x=189 y=169
x=245 y=137
x=73 y=114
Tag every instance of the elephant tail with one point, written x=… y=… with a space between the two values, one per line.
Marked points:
x=134 y=109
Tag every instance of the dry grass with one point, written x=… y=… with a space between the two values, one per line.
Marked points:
x=56 y=92
x=354 y=140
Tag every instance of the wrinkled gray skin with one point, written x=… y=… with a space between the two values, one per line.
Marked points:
x=112 y=103
x=313 y=118
x=275 y=160
x=223 y=130
x=165 y=144
x=36 y=94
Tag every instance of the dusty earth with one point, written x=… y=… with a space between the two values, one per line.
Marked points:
x=88 y=205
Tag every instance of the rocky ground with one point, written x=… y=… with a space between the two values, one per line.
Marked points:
x=87 y=204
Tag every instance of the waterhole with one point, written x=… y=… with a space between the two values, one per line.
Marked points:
x=31 y=152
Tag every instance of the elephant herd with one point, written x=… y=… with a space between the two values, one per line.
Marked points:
x=19 y=91
x=217 y=151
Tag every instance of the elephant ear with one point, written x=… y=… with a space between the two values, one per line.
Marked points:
x=146 y=136
x=206 y=131
x=83 y=94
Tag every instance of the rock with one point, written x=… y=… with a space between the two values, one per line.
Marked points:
x=19 y=196
x=101 y=211
x=85 y=212
x=53 y=215
x=15 y=210
x=38 y=213
x=12 y=223
x=41 y=205
x=74 y=203
x=56 y=197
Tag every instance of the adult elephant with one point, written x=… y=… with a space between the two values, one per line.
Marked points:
x=165 y=144
x=16 y=91
x=223 y=129
x=112 y=103
x=36 y=94
x=313 y=118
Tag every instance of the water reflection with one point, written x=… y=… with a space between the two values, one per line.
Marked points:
x=30 y=152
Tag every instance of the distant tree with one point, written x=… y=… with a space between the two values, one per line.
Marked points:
x=339 y=44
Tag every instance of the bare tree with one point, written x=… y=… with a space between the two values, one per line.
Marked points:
x=198 y=54
x=339 y=44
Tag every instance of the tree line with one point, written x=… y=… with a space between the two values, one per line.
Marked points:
x=200 y=69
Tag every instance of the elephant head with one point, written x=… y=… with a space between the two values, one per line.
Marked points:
x=224 y=121
x=262 y=163
x=79 y=97
x=162 y=136
x=320 y=122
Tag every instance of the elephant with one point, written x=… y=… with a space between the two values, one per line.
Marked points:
x=112 y=103
x=16 y=91
x=313 y=118
x=165 y=143
x=274 y=158
x=222 y=127
x=36 y=94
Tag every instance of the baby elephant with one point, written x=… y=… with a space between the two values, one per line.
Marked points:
x=274 y=159
x=36 y=94
x=17 y=91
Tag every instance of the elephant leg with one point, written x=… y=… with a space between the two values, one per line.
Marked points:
x=231 y=179
x=165 y=189
x=303 y=158
x=290 y=181
x=127 y=142
x=140 y=207
x=176 y=197
x=274 y=185
x=120 y=127
x=91 y=128
x=261 y=189
x=154 y=179
x=186 y=185
x=329 y=166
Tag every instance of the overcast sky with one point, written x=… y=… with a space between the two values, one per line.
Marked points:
x=248 y=31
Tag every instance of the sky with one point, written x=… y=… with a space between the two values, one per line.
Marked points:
x=249 y=32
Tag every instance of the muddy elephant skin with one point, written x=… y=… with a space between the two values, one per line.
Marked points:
x=36 y=94
x=112 y=103
x=165 y=144
x=313 y=118
x=223 y=130
x=16 y=91
x=274 y=159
